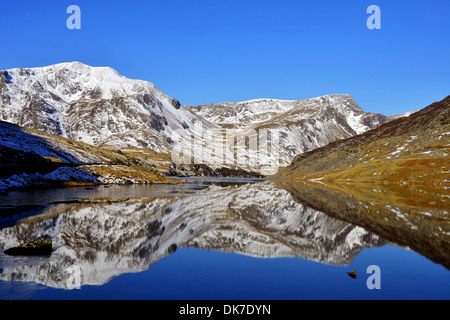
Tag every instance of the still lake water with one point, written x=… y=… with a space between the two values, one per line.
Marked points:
x=237 y=239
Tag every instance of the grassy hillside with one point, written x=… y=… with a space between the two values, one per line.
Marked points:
x=408 y=150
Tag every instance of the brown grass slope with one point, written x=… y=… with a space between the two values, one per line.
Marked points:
x=414 y=149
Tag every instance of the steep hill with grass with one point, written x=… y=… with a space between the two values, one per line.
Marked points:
x=412 y=149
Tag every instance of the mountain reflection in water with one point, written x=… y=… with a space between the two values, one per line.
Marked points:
x=107 y=232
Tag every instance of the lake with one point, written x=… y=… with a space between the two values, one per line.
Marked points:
x=237 y=239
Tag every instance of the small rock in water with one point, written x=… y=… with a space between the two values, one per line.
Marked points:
x=38 y=247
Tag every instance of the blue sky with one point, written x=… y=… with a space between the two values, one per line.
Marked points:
x=204 y=51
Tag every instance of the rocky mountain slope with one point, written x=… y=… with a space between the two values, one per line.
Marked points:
x=299 y=126
x=406 y=150
x=98 y=106
x=93 y=105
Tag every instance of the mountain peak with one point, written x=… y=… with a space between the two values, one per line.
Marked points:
x=72 y=64
x=64 y=67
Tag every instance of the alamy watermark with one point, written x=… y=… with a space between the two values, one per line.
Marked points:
x=374 y=21
x=374 y=280
x=74 y=20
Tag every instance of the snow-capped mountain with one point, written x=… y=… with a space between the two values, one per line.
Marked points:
x=95 y=105
x=98 y=106
x=300 y=126
x=272 y=111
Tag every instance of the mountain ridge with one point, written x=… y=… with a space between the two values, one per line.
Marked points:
x=98 y=106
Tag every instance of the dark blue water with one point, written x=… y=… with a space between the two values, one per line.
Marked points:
x=191 y=273
x=202 y=275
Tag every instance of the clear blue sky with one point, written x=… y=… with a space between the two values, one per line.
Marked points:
x=203 y=51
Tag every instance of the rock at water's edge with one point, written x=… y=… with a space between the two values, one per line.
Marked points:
x=40 y=246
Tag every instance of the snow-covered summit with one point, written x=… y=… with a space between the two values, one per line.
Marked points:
x=74 y=80
x=90 y=104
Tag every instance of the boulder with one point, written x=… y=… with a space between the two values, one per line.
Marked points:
x=37 y=247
